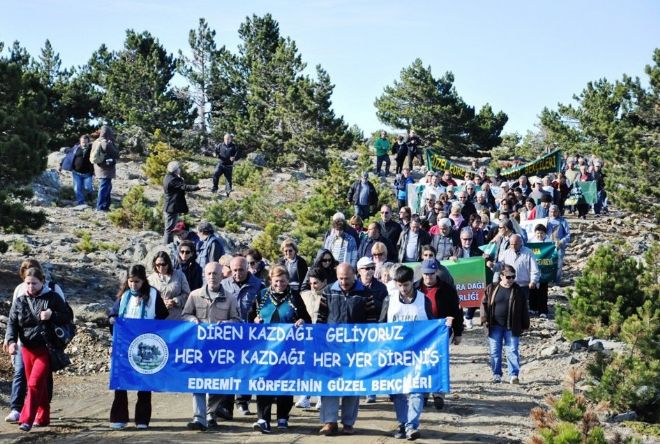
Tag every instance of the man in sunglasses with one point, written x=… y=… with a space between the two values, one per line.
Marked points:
x=388 y=227
x=505 y=314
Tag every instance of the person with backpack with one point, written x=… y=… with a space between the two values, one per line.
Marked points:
x=82 y=171
x=104 y=156
x=136 y=300
x=18 y=385
x=29 y=319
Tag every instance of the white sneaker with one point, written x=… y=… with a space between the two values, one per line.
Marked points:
x=13 y=416
x=303 y=402
x=514 y=380
x=468 y=324
x=141 y=426
x=117 y=425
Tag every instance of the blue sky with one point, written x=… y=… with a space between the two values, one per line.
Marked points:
x=519 y=56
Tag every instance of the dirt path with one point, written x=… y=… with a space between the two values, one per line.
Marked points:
x=475 y=411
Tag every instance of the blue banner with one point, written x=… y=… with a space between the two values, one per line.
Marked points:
x=319 y=359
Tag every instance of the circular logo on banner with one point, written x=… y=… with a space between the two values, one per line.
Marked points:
x=148 y=354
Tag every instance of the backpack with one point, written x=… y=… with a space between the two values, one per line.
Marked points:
x=97 y=155
x=67 y=162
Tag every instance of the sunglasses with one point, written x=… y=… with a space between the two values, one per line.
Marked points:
x=378 y=254
x=253 y=263
x=369 y=268
x=384 y=212
x=509 y=276
x=160 y=264
x=326 y=260
x=185 y=252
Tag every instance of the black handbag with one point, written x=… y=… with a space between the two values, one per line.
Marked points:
x=58 y=358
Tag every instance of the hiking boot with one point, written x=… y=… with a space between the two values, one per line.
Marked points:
x=196 y=425
x=244 y=410
x=412 y=434
x=303 y=403
x=225 y=414
x=348 y=430
x=212 y=424
x=329 y=429
x=371 y=399
x=497 y=379
x=438 y=402
x=400 y=433
x=261 y=426
x=282 y=424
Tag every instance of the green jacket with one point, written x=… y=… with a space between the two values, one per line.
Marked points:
x=382 y=147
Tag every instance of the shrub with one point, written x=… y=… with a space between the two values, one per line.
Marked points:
x=137 y=212
x=605 y=294
x=162 y=153
x=631 y=380
x=246 y=173
x=268 y=242
x=20 y=247
x=85 y=245
x=222 y=212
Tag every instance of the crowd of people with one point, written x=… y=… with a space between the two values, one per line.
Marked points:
x=358 y=276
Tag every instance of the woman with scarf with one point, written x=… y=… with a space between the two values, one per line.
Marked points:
x=277 y=304
x=136 y=300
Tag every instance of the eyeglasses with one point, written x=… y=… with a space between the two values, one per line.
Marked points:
x=160 y=264
x=326 y=259
x=384 y=212
x=185 y=252
x=509 y=276
x=253 y=263
x=369 y=268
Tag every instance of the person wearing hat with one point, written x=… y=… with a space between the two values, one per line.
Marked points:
x=181 y=232
x=439 y=289
x=175 y=198
x=210 y=249
x=363 y=196
x=366 y=268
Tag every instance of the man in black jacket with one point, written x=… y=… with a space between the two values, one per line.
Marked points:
x=175 y=198
x=226 y=152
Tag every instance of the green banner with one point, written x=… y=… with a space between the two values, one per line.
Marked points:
x=589 y=191
x=550 y=163
x=435 y=161
x=469 y=277
x=546 y=258
x=490 y=249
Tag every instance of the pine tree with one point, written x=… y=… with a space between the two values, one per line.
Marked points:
x=198 y=70
x=136 y=86
x=433 y=108
x=22 y=139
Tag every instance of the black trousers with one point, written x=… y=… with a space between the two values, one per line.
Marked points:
x=223 y=170
x=265 y=404
x=538 y=298
x=119 y=410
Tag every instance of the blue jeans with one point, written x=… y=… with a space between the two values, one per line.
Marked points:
x=362 y=211
x=103 y=201
x=496 y=336
x=82 y=184
x=330 y=409
x=18 y=383
x=408 y=409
